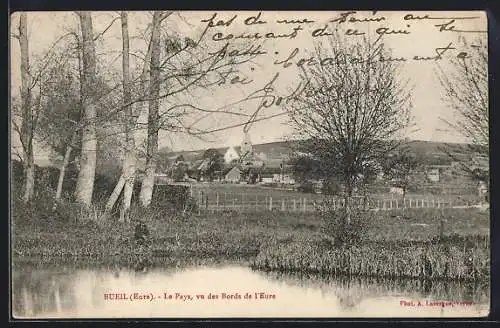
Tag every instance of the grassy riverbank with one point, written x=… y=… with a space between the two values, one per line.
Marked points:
x=450 y=260
x=392 y=246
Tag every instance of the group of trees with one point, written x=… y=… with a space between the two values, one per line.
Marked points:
x=213 y=164
x=208 y=168
x=83 y=110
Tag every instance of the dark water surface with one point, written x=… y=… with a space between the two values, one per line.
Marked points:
x=67 y=291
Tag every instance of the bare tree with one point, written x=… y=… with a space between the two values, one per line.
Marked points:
x=131 y=147
x=153 y=116
x=59 y=117
x=128 y=170
x=465 y=84
x=86 y=175
x=72 y=138
x=27 y=128
x=33 y=89
x=466 y=91
x=51 y=120
x=130 y=157
x=60 y=124
x=352 y=111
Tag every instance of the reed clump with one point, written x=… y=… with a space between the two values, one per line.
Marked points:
x=429 y=261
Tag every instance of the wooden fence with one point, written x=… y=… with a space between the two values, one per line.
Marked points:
x=250 y=203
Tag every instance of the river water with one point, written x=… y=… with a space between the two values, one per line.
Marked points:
x=228 y=291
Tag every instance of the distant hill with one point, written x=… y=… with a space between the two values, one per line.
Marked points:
x=275 y=152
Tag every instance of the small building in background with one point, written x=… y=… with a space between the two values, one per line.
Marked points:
x=288 y=179
x=233 y=176
x=266 y=178
x=396 y=190
x=231 y=155
x=162 y=179
x=433 y=174
x=483 y=190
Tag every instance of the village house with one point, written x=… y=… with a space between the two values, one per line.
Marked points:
x=231 y=156
x=203 y=166
x=233 y=175
x=162 y=179
x=287 y=179
x=483 y=191
x=244 y=165
x=396 y=190
x=266 y=178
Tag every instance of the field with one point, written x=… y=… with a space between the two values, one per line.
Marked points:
x=256 y=197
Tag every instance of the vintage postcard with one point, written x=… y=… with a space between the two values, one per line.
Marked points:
x=246 y=164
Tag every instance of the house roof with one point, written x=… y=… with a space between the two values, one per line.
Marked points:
x=232 y=150
x=231 y=154
x=233 y=169
x=204 y=164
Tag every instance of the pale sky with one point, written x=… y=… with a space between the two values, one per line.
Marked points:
x=422 y=39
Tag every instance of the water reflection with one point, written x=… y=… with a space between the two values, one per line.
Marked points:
x=352 y=291
x=42 y=291
x=71 y=292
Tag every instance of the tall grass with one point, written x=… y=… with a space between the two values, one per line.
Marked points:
x=427 y=260
x=353 y=249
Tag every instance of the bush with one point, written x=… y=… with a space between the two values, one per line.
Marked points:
x=166 y=210
x=46 y=181
x=336 y=228
x=44 y=207
x=331 y=188
x=169 y=197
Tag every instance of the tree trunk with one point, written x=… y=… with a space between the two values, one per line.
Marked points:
x=140 y=107
x=115 y=194
x=153 y=117
x=128 y=171
x=128 y=189
x=86 y=175
x=347 y=200
x=130 y=157
x=27 y=123
x=29 y=173
x=62 y=172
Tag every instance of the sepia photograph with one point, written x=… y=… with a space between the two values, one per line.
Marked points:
x=249 y=164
